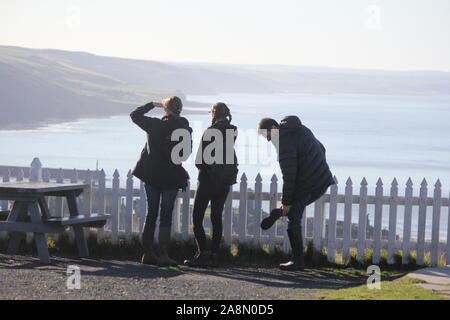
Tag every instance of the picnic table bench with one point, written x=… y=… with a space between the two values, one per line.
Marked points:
x=30 y=213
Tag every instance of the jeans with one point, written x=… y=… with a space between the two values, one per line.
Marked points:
x=207 y=192
x=167 y=199
x=295 y=214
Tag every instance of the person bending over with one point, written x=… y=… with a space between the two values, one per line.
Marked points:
x=306 y=177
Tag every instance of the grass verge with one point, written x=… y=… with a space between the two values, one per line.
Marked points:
x=402 y=289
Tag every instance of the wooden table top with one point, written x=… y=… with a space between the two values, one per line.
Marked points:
x=25 y=187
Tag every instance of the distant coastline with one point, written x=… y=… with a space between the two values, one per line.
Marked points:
x=39 y=125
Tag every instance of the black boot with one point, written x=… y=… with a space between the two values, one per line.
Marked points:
x=164 y=238
x=201 y=260
x=275 y=214
x=214 y=260
x=297 y=262
x=148 y=235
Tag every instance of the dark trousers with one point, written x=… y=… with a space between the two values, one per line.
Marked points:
x=207 y=192
x=295 y=215
x=162 y=201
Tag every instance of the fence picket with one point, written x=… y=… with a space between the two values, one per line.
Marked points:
x=347 y=232
x=176 y=217
x=377 y=222
x=243 y=209
x=129 y=205
x=422 y=220
x=115 y=202
x=36 y=170
x=87 y=194
x=318 y=224
x=258 y=209
x=407 y=222
x=101 y=197
x=228 y=218
x=273 y=202
x=434 y=254
x=392 y=222
x=362 y=221
x=286 y=242
x=332 y=222
x=59 y=204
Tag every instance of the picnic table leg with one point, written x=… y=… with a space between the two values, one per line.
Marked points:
x=18 y=213
x=39 y=238
x=80 y=237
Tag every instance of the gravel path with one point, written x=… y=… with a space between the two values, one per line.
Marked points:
x=23 y=277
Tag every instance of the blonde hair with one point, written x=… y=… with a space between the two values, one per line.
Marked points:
x=173 y=104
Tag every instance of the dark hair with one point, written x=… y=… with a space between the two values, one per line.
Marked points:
x=221 y=112
x=267 y=123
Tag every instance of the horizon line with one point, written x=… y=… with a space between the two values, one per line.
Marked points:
x=228 y=64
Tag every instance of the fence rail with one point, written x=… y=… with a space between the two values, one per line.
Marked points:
x=247 y=205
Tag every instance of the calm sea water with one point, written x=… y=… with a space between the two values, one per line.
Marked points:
x=365 y=136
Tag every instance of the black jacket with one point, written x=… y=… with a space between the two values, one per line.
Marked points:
x=155 y=166
x=206 y=169
x=302 y=161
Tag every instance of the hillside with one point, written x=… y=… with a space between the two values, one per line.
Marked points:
x=46 y=86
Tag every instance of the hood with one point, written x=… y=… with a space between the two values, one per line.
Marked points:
x=290 y=123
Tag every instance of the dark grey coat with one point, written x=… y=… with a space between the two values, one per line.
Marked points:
x=302 y=161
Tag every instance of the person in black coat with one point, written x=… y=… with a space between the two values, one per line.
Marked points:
x=306 y=177
x=217 y=172
x=162 y=172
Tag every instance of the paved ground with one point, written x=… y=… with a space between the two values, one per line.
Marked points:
x=437 y=279
x=23 y=277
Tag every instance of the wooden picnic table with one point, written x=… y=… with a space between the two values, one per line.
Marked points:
x=30 y=213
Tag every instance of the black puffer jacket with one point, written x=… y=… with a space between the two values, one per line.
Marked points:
x=155 y=166
x=204 y=168
x=302 y=161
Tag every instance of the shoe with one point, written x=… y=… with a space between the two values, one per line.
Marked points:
x=214 y=260
x=268 y=222
x=149 y=257
x=163 y=259
x=297 y=262
x=201 y=260
x=292 y=266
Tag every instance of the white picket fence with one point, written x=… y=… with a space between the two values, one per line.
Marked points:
x=245 y=208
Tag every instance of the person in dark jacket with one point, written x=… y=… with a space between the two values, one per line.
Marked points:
x=306 y=177
x=162 y=174
x=215 y=177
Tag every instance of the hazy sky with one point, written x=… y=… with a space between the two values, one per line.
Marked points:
x=375 y=34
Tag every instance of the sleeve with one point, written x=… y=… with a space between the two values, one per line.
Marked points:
x=288 y=165
x=139 y=118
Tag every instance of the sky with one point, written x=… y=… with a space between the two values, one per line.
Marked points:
x=362 y=34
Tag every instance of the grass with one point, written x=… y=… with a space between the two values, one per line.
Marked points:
x=241 y=255
x=402 y=289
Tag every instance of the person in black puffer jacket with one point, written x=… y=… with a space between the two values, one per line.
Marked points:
x=215 y=177
x=162 y=174
x=306 y=176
